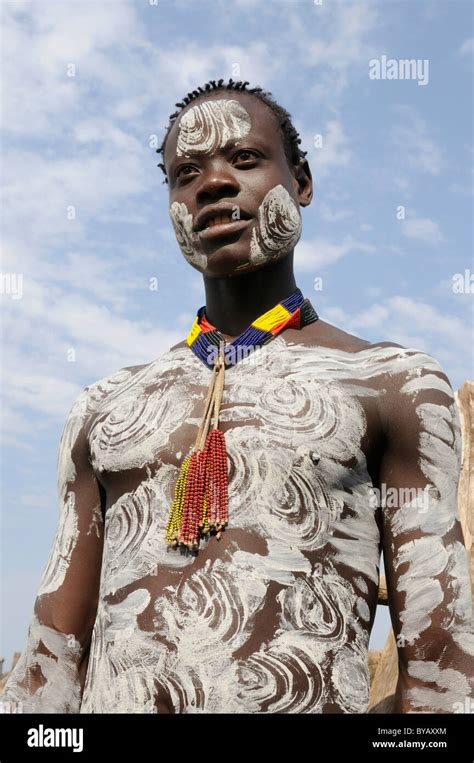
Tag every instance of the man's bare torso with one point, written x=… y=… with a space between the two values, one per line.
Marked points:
x=276 y=615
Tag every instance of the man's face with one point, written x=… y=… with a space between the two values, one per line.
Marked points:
x=234 y=201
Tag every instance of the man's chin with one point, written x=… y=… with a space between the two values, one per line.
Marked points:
x=227 y=261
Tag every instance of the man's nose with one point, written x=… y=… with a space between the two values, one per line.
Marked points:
x=216 y=181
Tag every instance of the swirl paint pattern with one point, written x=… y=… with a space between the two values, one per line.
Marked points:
x=276 y=616
x=211 y=125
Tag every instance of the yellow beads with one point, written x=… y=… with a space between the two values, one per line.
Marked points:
x=173 y=527
x=270 y=319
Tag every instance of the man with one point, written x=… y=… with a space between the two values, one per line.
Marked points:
x=275 y=615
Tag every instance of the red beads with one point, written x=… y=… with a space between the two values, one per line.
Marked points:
x=203 y=500
x=216 y=481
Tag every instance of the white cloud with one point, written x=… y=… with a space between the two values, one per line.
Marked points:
x=467 y=47
x=413 y=323
x=331 y=215
x=37 y=500
x=38 y=93
x=58 y=188
x=339 y=44
x=374 y=291
x=41 y=328
x=413 y=143
x=334 y=152
x=319 y=253
x=422 y=229
x=376 y=315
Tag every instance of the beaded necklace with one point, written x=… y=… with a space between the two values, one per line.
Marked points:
x=200 y=502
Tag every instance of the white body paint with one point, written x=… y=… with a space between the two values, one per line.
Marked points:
x=65 y=542
x=61 y=691
x=68 y=531
x=277 y=617
x=429 y=559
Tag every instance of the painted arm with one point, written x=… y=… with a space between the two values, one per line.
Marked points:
x=49 y=677
x=426 y=562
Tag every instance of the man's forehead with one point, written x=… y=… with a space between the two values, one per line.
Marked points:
x=216 y=121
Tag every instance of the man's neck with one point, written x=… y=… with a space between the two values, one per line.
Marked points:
x=233 y=303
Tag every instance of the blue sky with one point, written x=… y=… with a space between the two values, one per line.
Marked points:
x=86 y=217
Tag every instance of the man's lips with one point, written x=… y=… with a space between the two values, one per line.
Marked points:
x=218 y=214
x=223 y=229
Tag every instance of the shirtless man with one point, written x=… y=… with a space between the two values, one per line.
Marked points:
x=276 y=615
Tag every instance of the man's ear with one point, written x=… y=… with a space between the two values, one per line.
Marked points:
x=304 y=181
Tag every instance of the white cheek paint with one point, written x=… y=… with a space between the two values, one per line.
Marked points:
x=64 y=544
x=61 y=690
x=210 y=126
x=186 y=238
x=279 y=226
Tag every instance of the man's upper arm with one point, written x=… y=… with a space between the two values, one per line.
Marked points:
x=425 y=558
x=49 y=675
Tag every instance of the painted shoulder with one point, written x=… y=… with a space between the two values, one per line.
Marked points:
x=415 y=369
x=127 y=381
x=350 y=343
x=394 y=367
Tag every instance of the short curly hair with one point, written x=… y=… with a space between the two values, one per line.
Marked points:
x=290 y=136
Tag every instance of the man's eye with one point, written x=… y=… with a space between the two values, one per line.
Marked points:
x=182 y=170
x=245 y=155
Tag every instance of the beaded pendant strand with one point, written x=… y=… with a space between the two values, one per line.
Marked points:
x=200 y=502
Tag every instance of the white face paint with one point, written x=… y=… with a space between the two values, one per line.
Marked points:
x=279 y=226
x=276 y=233
x=210 y=126
x=187 y=240
x=205 y=129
